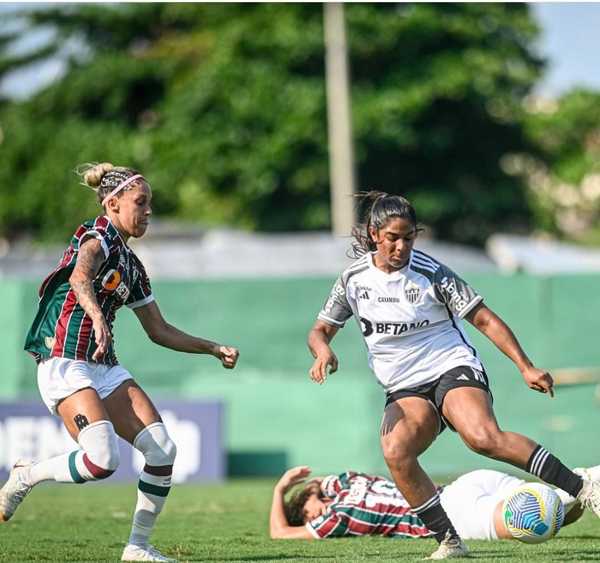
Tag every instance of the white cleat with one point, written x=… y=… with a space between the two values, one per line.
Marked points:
x=136 y=553
x=450 y=548
x=589 y=473
x=589 y=496
x=14 y=490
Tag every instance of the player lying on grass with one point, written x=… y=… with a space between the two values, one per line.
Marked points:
x=356 y=504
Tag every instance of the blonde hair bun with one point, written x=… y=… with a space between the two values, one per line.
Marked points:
x=93 y=175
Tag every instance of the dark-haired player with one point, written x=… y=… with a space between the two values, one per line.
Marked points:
x=355 y=504
x=410 y=309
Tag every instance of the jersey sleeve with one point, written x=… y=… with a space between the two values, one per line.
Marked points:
x=99 y=232
x=331 y=486
x=140 y=292
x=454 y=292
x=329 y=525
x=336 y=310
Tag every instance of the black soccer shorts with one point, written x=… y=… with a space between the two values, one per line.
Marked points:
x=435 y=392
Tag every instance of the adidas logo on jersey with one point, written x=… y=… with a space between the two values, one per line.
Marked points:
x=364 y=295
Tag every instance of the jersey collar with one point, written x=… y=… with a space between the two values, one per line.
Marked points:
x=117 y=231
x=393 y=276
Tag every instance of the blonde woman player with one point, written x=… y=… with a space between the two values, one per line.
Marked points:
x=410 y=309
x=79 y=377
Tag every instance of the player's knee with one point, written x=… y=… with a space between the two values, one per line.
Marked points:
x=101 y=448
x=397 y=456
x=484 y=441
x=156 y=445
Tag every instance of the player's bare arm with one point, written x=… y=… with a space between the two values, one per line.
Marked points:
x=279 y=527
x=326 y=361
x=490 y=324
x=165 y=334
x=89 y=260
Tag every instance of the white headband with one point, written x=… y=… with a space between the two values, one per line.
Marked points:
x=122 y=185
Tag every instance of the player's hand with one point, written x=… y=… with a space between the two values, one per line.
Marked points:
x=539 y=380
x=228 y=356
x=292 y=477
x=103 y=338
x=323 y=366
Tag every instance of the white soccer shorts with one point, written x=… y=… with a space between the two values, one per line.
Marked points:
x=470 y=502
x=59 y=378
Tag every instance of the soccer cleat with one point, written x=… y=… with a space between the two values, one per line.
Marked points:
x=450 y=548
x=589 y=496
x=14 y=490
x=589 y=473
x=136 y=553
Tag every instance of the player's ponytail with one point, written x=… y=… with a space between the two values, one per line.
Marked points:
x=92 y=174
x=378 y=208
x=103 y=178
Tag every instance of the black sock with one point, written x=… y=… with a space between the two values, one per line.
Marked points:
x=544 y=465
x=434 y=517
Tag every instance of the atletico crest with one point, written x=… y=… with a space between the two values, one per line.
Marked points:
x=412 y=292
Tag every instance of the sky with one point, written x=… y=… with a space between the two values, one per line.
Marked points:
x=570 y=40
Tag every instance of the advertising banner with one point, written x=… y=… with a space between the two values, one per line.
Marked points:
x=28 y=431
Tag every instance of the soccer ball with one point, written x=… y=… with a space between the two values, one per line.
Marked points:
x=533 y=513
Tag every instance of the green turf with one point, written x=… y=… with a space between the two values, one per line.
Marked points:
x=225 y=523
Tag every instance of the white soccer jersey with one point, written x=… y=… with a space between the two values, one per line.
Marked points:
x=410 y=319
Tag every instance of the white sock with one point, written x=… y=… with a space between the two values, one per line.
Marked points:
x=65 y=468
x=152 y=495
x=76 y=466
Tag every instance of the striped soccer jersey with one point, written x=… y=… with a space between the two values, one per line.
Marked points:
x=410 y=319
x=61 y=327
x=365 y=505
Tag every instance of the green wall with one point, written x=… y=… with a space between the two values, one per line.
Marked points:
x=276 y=416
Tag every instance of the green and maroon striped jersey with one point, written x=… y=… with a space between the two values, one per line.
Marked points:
x=365 y=505
x=61 y=327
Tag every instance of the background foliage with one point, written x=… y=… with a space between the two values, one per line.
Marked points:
x=563 y=172
x=223 y=107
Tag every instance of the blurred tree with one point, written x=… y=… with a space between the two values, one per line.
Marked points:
x=223 y=108
x=563 y=173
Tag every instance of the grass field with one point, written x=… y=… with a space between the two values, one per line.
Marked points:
x=225 y=523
